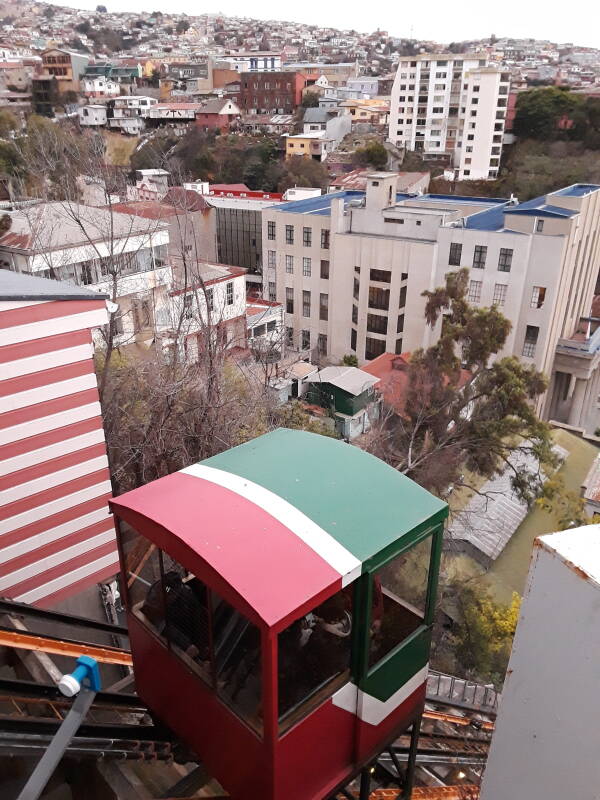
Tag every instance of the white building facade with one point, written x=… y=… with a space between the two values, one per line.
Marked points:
x=453 y=108
x=351 y=267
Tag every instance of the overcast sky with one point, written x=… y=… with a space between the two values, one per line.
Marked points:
x=443 y=22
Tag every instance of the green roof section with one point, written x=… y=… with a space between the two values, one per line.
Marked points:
x=366 y=505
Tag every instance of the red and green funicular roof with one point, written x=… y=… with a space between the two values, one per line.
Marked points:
x=287 y=516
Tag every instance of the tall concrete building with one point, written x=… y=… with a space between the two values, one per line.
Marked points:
x=351 y=268
x=451 y=108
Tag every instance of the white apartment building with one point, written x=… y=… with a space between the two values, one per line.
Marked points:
x=351 y=267
x=453 y=108
x=80 y=244
x=128 y=113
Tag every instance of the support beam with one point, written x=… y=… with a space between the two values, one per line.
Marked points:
x=29 y=641
x=412 y=759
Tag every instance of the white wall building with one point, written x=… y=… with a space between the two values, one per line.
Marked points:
x=98 y=86
x=128 y=113
x=351 y=268
x=266 y=329
x=449 y=106
x=252 y=62
x=546 y=739
x=92 y=116
x=82 y=245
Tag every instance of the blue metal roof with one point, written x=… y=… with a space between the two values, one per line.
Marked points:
x=492 y=219
x=465 y=198
x=578 y=190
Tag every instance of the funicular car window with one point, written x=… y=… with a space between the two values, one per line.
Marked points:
x=314 y=657
x=199 y=627
x=143 y=576
x=399 y=600
x=237 y=661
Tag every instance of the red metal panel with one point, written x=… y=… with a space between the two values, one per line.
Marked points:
x=45 y=311
x=47 y=344
x=237 y=540
x=36 y=380
x=53 y=465
x=53 y=520
x=35 y=500
x=78 y=586
x=39 y=410
x=50 y=437
x=315 y=755
x=230 y=750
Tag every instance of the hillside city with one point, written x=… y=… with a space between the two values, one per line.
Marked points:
x=299 y=411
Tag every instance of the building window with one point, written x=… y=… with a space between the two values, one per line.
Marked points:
x=324 y=270
x=289 y=264
x=505 y=259
x=271 y=231
x=306 y=303
x=229 y=290
x=400 y=323
x=538 y=295
x=398 y=348
x=323 y=306
x=356 y=288
x=307 y=237
x=374 y=348
x=539 y=225
x=479 y=256
x=455 y=254
x=289 y=300
x=305 y=340
x=289 y=234
x=306 y=267
x=499 y=294
x=353 y=339
x=272 y=291
x=474 y=293
x=188 y=306
x=354 y=314
x=402 y=301
x=325 y=239
x=531 y=337
x=322 y=344
x=271 y=258
x=289 y=337
x=381 y=275
x=379 y=298
x=377 y=323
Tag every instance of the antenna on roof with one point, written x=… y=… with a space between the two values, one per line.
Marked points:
x=512 y=200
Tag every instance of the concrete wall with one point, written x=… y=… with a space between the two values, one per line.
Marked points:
x=547 y=737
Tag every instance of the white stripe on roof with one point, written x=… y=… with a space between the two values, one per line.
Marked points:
x=319 y=540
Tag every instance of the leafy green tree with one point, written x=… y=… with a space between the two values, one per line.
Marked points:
x=310 y=100
x=182 y=26
x=539 y=111
x=482 y=637
x=373 y=154
x=462 y=410
x=350 y=360
x=565 y=505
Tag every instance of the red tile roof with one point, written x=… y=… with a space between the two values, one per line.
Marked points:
x=185 y=199
x=392 y=371
x=229 y=187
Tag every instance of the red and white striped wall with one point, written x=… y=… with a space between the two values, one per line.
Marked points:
x=56 y=535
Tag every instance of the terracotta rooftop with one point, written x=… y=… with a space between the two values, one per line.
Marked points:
x=149 y=209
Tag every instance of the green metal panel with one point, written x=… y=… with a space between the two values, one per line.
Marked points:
x=398 y=666
x=368 y=506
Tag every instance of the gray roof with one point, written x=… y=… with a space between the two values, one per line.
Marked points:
x=316 y=115
x=18 y=286
x=351 y=379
